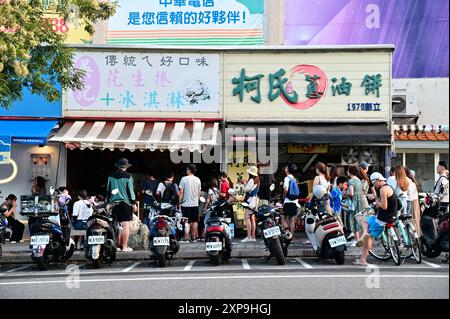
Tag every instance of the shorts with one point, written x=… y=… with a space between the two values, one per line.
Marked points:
x=122 y=212
x=191 y=213
x=376 y=227
x=80 y=225
x=290 y=209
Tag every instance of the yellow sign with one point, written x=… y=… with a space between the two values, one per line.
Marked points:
x=307 y=148
x=73 y=29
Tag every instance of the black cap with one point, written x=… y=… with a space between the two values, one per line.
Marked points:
x=443 y=164
x=123 y=163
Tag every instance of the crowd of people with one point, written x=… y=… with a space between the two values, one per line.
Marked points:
x=351 y=196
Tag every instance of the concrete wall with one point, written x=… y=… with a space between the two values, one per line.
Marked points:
x=21 y=185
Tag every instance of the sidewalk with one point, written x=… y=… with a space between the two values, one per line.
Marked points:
x=20 y=252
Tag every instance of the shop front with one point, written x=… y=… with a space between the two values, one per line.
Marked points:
x=159 y=109
x=327 y=104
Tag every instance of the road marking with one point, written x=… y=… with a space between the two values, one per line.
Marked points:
x=20 y=268
x=246 y=265
x=131 y=267
x=431 y=264
x=250 y=277
x=189 y=266
x=304 y=263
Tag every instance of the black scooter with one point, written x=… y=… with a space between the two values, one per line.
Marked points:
x=434 y=225
x=218 y=233
x=101 y=234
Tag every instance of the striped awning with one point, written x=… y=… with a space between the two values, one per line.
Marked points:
x=172 y=136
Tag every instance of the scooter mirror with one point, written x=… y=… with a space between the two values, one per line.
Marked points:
x=115 y=191
x=232 y=191
x=279 y=205
x=52 y=190
x=272 y=187
x=202 y=199
x=244 y=204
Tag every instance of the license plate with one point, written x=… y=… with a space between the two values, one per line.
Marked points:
x=40 y=240
x=96 y=240
x=272 y=232
x=337 y=241
x=214 y=246
x=161 y=241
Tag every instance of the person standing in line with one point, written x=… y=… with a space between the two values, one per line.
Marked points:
x=290 y=208
x=120 y=191
x=225 y=185
x=190 y=192
x=363 y=168
x=82 y=210
x=413 y=200
x=251 y=191
x=151 y=184
x=442 y=185
x=167 y=191
x=264 y=193
x=337 y=196
x=400 y=183
x=355 y=193
x=322 y=178
x=334 y=174
x=9 y=207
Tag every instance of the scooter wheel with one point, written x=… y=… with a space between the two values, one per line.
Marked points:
x=216 y=260
x=276 y=250
x=42 y=262
x=339 y=256
x=162 y=261
x=429 y=251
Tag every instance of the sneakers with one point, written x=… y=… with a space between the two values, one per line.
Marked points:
x=351 y=236
x=253 y=240
x=194 y=241
x=118 y=249
x=13 y=242
x=246 y=240
x=127 y=249
x=185 y=241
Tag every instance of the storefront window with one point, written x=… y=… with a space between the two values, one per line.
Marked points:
x=397 y=160
x=443 y=157
x=423 y=165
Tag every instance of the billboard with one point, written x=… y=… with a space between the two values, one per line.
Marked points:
x=418 y=28
x=187 y=22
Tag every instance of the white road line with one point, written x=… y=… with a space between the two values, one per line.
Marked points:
x=189 y=266
x=304 y=263
x=249 y=277
x=246 y=265
x=131 y=267
x=20 y=268
x=431 y=264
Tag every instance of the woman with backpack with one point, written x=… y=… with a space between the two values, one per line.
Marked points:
x=82 y=210
x=251 y=192
x=168 y=190
x=291 y=194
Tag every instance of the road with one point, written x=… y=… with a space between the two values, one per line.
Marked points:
x=240 y=279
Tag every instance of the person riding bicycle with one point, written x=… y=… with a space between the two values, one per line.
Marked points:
x=373 y=226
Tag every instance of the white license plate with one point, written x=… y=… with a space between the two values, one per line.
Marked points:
x=96 y=240
x=214 y=246
x=337 y=241
x=161 y=241
x=40 y=240
x=272 y=232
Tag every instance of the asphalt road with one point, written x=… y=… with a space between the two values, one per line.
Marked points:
x=241 y=278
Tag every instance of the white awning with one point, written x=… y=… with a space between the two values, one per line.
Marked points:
x=172 y=136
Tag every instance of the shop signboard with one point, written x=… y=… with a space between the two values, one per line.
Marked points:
x=307 y=148
x=351 y=85
x=417 y=28
x=72 y=28
x=117 y=83
x=5 y=149
x=187 y=22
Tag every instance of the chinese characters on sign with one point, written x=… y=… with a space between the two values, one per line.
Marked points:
x=279 y=85
x=147 y=82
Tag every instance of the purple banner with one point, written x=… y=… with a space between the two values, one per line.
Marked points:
x=419 y=30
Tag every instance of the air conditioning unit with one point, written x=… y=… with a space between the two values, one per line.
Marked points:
x=404 y=98
x=350 y=156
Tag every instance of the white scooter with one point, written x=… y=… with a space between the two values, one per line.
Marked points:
x=323 y=230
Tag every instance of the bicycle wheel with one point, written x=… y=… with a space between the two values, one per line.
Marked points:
x=416 y=252
x=380 y=248
x=393 y=247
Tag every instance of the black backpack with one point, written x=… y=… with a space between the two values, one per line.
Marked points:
x=170 y=194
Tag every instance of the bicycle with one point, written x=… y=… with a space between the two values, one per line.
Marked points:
x=408 y=238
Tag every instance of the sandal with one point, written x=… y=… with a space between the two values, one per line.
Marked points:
x=358 y=262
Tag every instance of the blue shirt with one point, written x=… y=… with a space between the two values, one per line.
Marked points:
x=336 y=200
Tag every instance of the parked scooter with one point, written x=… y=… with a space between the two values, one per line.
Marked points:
x=50 y=234
x=218 y=233
x=434 y=225
x=101 y=234
x=4 y=229
x=163 y=243
x=323 y=230
x=276 y=238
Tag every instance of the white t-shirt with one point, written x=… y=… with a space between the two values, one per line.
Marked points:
x=393 y=183
x=413 y=193
x=82 y=209
x=286 y=182
x=324 y=182
x=191 y=186
x=442 y=183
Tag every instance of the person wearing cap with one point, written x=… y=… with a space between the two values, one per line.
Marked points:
x=373 y=226
x=251 y=191
x=441 y=187
x=120 y=191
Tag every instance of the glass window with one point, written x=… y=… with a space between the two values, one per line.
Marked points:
x=443 y=157
x=423 y=165
x=397 y=160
